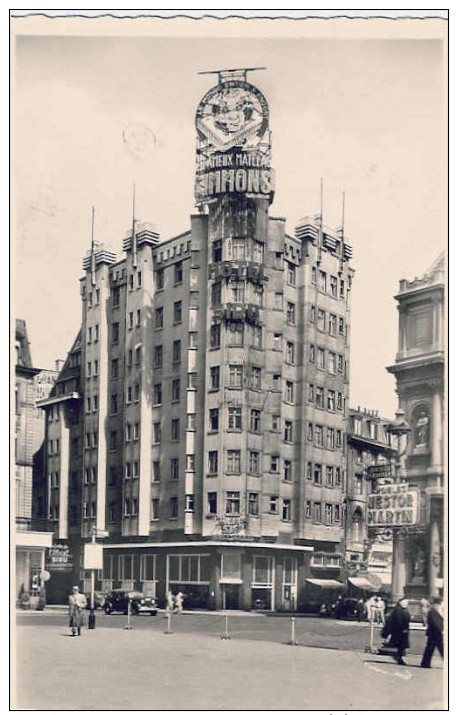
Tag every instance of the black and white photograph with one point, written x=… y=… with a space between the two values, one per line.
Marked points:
x=228 y=328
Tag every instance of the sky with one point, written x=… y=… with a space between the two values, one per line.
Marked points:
x=366 y=115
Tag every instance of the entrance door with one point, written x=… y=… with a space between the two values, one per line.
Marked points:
x=231 y=596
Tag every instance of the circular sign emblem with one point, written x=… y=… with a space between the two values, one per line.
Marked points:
x=232 y=114
x=45 y=575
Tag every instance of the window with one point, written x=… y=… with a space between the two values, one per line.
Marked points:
x=235 y=334
x=175 y=428
x=139 y=279
x=191 y=421
x=308 y=509
x=309 y=470
x=235 y=375
x=276 y=423
x=89 y=335
x=138 y=317
x=336 y=512
x=320 y=358
x=278 y=301
x=256 y=378
x=235 y=418
x=277 y=341
x=319 y=397
x=321 y=320
x=173 y=506
x=96 y=367
x=253 y=503
x=253 y=462
x=273 y=505
x=274 y=463
x=154 y=509
x=338 y=475
x=290 y=273
x=115 y=333
x=340 y=363
x=87 y=476
x=190 y=462
x=311 y=392
x=192 y=380
x=215 y=336
x=312 y=314
x=128 y=470
x=257 y=336
x=89 y=369
x=332 y=364
x=288 y=431
x=333 y=286
x=331 y=400
x=131 y=320
x=291 y=314
x=131 y=281
x=189 y=503
x=290 y=353
x=258 y=252
x=159 y=278
x=233 y=503
x=322 y=281
x=156 y=432
x=128 y=432
x=317 y=474
x=289 y=391
x=330 y=438
x=341 y=327
x=287 y=470
x=310 y=431
x=129 y=394
x=88 y=404
x=158 y=356
x=257 y=295
x=342 y=289
x=313 y=278
x=238 y=292
x=214 y=377
x=114 y=368
x=213 y=418
x=96 y=336
x=217 y=251
x=255 y=420
x=276 y=382
x=114 y=404
x=212 y=503
x=136 y=392
x=178 y=272
x=286 y=511
x=328 y=513
x=113 y=440
x=318 y=435
x=317 y=511
x=213 y=462
x=233 y=461
x=329 y=476
x=338 y=439
x=238 y=248
x=157 y=393
x=93 y=509
x=159 y=318
x=193 y=339
x=312 y=353
x=216 y=294
x=174 y=468
x=156 y=471
x=176 y=389
x=332 y=324
x=176 y=354
x=129 y=358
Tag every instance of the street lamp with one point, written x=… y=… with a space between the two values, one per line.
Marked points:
x=400 y=429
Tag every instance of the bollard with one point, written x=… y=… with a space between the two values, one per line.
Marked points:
x=293 y=631
x=91 y=620
x=128 y=627
x=370 y=648
x=225 y=636
x=168 y=630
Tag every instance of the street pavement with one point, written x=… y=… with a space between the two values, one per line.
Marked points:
x=113 y=668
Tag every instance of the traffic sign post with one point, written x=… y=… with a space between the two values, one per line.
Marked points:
x=93 y=559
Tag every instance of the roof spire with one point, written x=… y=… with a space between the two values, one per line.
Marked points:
x=92 y=249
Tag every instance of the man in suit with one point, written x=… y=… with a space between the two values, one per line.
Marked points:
x=434 y=633
x=400 y=629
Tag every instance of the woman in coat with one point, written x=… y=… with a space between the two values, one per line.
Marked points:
x=400 y=621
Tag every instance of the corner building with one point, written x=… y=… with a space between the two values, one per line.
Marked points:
x=206 y=434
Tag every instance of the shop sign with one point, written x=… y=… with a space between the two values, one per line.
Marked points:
x=59 y=558
x=393 y=505
x=232 y=529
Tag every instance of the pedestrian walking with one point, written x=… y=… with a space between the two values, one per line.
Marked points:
x=76 y=604
x=170 y=602
x=379 y=611
x=424 y=610
x=400 y=630
x=179 y=602
x=370 y=607
x=434 y=633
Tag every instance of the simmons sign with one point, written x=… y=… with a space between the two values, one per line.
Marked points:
x=233 y=143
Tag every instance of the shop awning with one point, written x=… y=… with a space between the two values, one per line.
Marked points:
x=325 y=582
x=362 y=583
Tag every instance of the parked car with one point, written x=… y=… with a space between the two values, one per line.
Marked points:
x=118 y=601
x=99 y=600
x=347 y=609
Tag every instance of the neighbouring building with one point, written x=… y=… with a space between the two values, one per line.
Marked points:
x=200 y=416
x=368 y=551
x=419 y=371
x=32 y=536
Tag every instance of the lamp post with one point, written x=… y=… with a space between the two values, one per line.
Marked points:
x=400 y=429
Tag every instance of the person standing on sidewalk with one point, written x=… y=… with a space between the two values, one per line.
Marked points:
x=434 y=633
x=179 y=602
x=76 y=605
x=400 y=630
x=170 y=601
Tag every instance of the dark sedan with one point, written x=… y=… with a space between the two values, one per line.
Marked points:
x=117 y=601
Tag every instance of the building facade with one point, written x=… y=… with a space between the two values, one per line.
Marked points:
x=32 y=536
x=200 y=416
x=419 y=372
x=370 y=453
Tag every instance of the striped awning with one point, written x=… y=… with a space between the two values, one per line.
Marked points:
x=362 y=583
x=325 y=582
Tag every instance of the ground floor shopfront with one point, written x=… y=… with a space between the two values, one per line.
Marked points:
x=30 y=561
x=211 y=575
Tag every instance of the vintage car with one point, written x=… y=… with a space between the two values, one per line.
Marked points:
x=117 y=601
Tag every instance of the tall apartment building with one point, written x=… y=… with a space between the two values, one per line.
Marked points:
x=419 y=371
x=200 y=415
x=31 y=536
x=370 y=454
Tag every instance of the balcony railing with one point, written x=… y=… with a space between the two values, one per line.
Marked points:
x=25 y=523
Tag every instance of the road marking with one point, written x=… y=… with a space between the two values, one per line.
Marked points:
x=404 y=675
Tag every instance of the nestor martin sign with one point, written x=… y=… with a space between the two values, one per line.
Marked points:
x=393 y=505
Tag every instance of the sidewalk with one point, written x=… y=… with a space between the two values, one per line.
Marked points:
x=140 y=669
